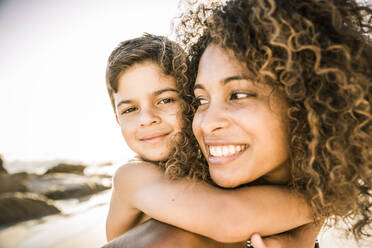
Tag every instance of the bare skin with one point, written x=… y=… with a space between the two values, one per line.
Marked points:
x=155 y=234
x=220 y=214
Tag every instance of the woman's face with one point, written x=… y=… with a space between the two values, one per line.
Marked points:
x=240 y=125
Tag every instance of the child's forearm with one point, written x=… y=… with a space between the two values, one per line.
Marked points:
x=122 y=215
x=223 y=215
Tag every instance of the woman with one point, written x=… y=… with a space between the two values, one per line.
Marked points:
x=315 y=65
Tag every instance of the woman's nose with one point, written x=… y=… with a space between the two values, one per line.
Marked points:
x=149 y=117
x=214 y=119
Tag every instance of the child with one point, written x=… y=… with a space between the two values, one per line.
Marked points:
x=143 y=78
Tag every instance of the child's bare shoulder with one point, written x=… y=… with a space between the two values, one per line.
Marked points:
x=135 y=172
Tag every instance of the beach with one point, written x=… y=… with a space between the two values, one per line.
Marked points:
x=81 y=222
x=80 y=192
x=84 y=227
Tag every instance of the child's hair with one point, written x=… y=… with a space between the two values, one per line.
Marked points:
x=157 y=49
x=318 y=54
x=171 y=59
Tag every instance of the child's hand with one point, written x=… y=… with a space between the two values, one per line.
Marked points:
x=303 y=236
x=257 y=242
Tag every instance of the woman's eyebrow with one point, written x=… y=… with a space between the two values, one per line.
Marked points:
x=198 y=86
x=234 y=78
x=227 y=80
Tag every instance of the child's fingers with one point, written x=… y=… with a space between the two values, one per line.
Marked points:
x=257 y=241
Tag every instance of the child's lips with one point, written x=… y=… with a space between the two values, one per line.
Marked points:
x=153 y=138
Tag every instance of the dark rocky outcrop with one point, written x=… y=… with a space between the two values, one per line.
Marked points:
x=63 y=186
x=2 y=169
x=18 y=206
x=67 y=168
x=54 y=186
x=14 y=182
x=26 y=196
x=105 y=164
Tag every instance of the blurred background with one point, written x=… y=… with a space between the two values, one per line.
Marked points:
x=53 y=98
x=55 y=113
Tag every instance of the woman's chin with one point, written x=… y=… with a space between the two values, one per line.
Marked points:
x=224 y=182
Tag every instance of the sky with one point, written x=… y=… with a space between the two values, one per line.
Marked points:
x=53 y=98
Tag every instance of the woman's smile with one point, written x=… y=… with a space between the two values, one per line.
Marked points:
x=226 y=150
x=220 y=154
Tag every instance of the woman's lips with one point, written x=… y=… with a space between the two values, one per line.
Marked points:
x=220 y=154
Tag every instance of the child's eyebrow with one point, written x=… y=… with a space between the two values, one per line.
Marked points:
x=123 y=102
x=156 y=93
x=159 y=92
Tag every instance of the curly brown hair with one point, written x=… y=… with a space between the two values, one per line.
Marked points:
x=319 y=54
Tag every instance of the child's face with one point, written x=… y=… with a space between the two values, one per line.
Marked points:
x=240 y=126
x=148 y=110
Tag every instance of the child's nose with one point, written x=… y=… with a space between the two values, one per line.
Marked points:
x=148 y=117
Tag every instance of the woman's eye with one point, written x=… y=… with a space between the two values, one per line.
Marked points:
x=241 y=95
x=128 y=110
x=166 y=100
x=201 y=101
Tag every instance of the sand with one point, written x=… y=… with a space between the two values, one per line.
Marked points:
x=81 y=230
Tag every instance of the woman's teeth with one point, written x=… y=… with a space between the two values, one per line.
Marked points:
x=224 y=151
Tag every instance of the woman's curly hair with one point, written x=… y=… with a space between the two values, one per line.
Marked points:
x=318 y=53
x=185 y=159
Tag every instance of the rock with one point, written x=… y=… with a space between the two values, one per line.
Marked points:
x=63 y=186
x=105 y=164
x=16 y=207
x=14 y=182
x=67 y=168
x=2 y=169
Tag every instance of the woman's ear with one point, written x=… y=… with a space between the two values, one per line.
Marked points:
x=117 y=119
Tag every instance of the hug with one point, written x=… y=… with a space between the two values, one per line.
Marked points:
x=256 y=123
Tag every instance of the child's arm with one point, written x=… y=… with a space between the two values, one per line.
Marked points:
x=304 y=236
x=122 y=215
x=223 y=215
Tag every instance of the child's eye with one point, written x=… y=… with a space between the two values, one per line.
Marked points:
x=166 y=100
x=128 y=110
x=201 y=101
x=241 y=95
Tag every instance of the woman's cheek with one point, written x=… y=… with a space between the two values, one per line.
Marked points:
x=197 y=130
